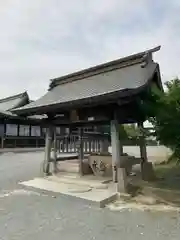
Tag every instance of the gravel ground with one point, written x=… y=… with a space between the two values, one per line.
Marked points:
x=32 y=214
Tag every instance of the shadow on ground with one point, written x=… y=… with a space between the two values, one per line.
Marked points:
x=165 y=189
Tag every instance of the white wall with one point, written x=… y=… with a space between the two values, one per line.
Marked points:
x=155 y=153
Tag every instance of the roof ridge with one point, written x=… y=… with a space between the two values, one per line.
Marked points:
x=128 y=60
x=13 y=97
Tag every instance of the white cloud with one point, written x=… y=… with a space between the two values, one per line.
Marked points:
x=42 y=39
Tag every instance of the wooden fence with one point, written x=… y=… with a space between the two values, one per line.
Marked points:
x=92 y=143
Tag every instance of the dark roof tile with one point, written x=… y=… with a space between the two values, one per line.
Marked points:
x=130 y=73
x=14 y=101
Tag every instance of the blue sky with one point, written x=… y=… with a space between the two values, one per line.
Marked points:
x=43 y=39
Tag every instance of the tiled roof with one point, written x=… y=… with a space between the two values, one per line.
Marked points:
x=14 y=101
x=94 y=84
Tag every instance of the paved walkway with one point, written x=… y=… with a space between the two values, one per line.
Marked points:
x=21 y=150
x=27 y=213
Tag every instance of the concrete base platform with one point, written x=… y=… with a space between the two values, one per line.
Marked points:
x=93 y=192
x=87 y=180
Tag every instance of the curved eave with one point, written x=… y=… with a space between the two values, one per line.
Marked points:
x=101 y=89
x=8 y=114
x=105 y=99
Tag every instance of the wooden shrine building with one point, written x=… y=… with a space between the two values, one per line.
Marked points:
x=110 y=93
x=17 y=131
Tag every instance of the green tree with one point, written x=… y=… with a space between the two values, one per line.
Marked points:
x=132 y=131
x=122 y=132
x=166 y=115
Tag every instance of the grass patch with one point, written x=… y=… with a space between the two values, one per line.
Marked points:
x=168 y=176
x=166 y=188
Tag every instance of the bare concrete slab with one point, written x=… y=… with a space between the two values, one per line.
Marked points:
x=91 y=195
x=87 y=180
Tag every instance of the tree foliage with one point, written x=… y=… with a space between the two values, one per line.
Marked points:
x=132 y=131
x=166 y=115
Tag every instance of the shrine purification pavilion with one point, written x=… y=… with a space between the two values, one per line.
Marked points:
x=110 y=93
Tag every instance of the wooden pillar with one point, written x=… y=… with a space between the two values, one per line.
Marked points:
x=93 y=145
x=2 y=142
x=54 y=151
x=59 y=145
x=49 y=133
x=146 y=167
x=142 y=143
x=67 y=144
x=81 y=151
x=105 y=144
x=85 y=145
x=2 y=134
x=119 y=173
x=36 y=143
x=90 y=145
x=121 y=147
x=115 y=143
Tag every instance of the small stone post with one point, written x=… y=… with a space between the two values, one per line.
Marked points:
x=47 y=158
